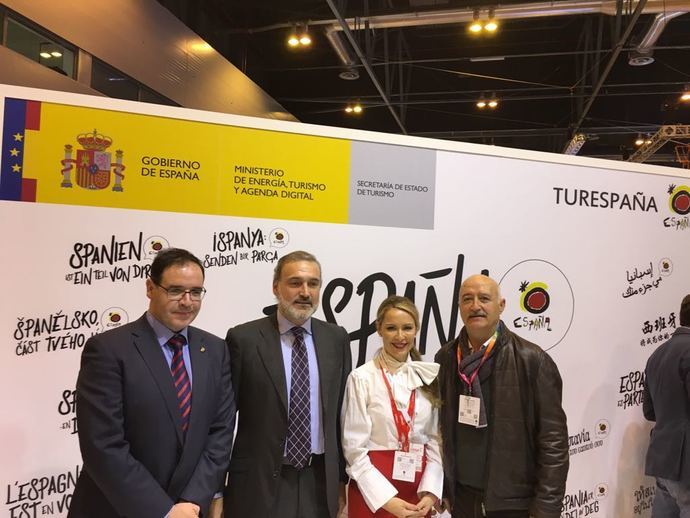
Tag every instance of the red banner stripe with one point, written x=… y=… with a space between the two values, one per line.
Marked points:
x=33 y=115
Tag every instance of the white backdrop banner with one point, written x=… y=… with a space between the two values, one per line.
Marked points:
x=592 y=258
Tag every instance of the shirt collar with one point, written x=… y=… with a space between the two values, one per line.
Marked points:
x=163 y=334
x=284 y=325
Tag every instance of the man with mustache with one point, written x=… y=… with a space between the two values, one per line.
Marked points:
x=288 y=372
x=505 y=438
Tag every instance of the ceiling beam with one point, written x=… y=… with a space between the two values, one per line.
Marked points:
x=612 y=60
x=367 y=66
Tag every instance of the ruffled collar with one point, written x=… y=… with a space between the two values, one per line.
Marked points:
x=414 y=373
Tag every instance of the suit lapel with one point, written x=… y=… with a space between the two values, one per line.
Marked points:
x=146 y=343
x=271 y=354
x=200 y=367
x=326 y=359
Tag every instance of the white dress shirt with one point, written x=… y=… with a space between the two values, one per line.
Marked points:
x=287 y=340
x=368 y=424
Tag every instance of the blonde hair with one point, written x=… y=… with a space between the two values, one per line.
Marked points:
x=397 y=302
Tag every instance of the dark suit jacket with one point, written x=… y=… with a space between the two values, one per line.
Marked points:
x=258 y=378
x=136 y=464
x=667 y=401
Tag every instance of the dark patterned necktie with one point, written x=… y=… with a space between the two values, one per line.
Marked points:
x=299 y=421
x=183 y=386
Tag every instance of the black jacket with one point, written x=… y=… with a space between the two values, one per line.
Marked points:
x=527 y=461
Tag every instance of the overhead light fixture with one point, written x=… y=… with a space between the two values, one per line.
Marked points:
x=45 y=55
x=476 y=25
x=648 y=139
x=493 y=103
x=56 y=54
x=639 y=140
x=492 y=24
x=481 y=104
x=685 y=96
x=354 y=108
x=304 y=38
x=299 y=36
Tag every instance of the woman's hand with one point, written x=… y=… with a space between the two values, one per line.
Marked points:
x=425 y=504
x=401 y=509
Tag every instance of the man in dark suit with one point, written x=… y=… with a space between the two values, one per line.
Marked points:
x=155 y=408
x=288 y=372
x=667 y=402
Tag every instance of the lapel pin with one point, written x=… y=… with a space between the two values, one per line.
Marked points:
x=203 y=349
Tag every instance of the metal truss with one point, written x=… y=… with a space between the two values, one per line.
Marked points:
x=656 y=141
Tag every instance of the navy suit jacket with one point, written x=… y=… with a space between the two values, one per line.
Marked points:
x=667 y=401
x=258 y=376
x=136 y=463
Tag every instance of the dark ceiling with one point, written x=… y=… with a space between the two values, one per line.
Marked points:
x=556 y=68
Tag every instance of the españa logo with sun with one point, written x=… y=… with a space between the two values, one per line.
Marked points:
x=539 y=302
x=679 y=199
x=535 y=297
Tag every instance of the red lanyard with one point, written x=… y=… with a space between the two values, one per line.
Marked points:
x=403 y=425
x=461 y=375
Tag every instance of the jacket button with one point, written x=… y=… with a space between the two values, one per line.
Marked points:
x=276 y=473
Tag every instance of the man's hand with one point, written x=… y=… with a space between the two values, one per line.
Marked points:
x=216 y=509
x=342 y=502
x=401 y=509
x=441 y=506
x=184 y=510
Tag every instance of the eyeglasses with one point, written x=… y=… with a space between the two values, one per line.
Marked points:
x=176 y=293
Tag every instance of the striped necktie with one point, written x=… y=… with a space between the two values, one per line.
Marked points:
x=183 y=386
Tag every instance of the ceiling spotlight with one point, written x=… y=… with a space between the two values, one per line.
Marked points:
x=56 y=54
x=299 y=36
x=476 y=25
x=354 y=108
x=493 y=103
x=639 y=140
x=45 y=55
x=685 y=96
x=492 y=24
x=481 y=104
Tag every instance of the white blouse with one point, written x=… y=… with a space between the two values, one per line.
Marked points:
x=368 y=424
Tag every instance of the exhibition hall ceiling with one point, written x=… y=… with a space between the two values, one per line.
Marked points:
x=608 y=70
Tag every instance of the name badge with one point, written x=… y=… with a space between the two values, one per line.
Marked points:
x=468 y=410
x=418 y=451
x=404 y=466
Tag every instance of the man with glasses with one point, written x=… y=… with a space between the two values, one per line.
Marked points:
x=155 y=406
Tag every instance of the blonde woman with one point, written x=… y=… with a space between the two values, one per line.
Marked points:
x=390 y=423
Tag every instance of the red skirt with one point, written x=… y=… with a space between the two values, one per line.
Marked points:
x=383 y=461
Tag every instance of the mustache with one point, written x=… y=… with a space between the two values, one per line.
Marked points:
x=477 y=314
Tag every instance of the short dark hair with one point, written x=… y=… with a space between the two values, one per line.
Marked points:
x=293 y=257
x=685 y=311
x=172 y=257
